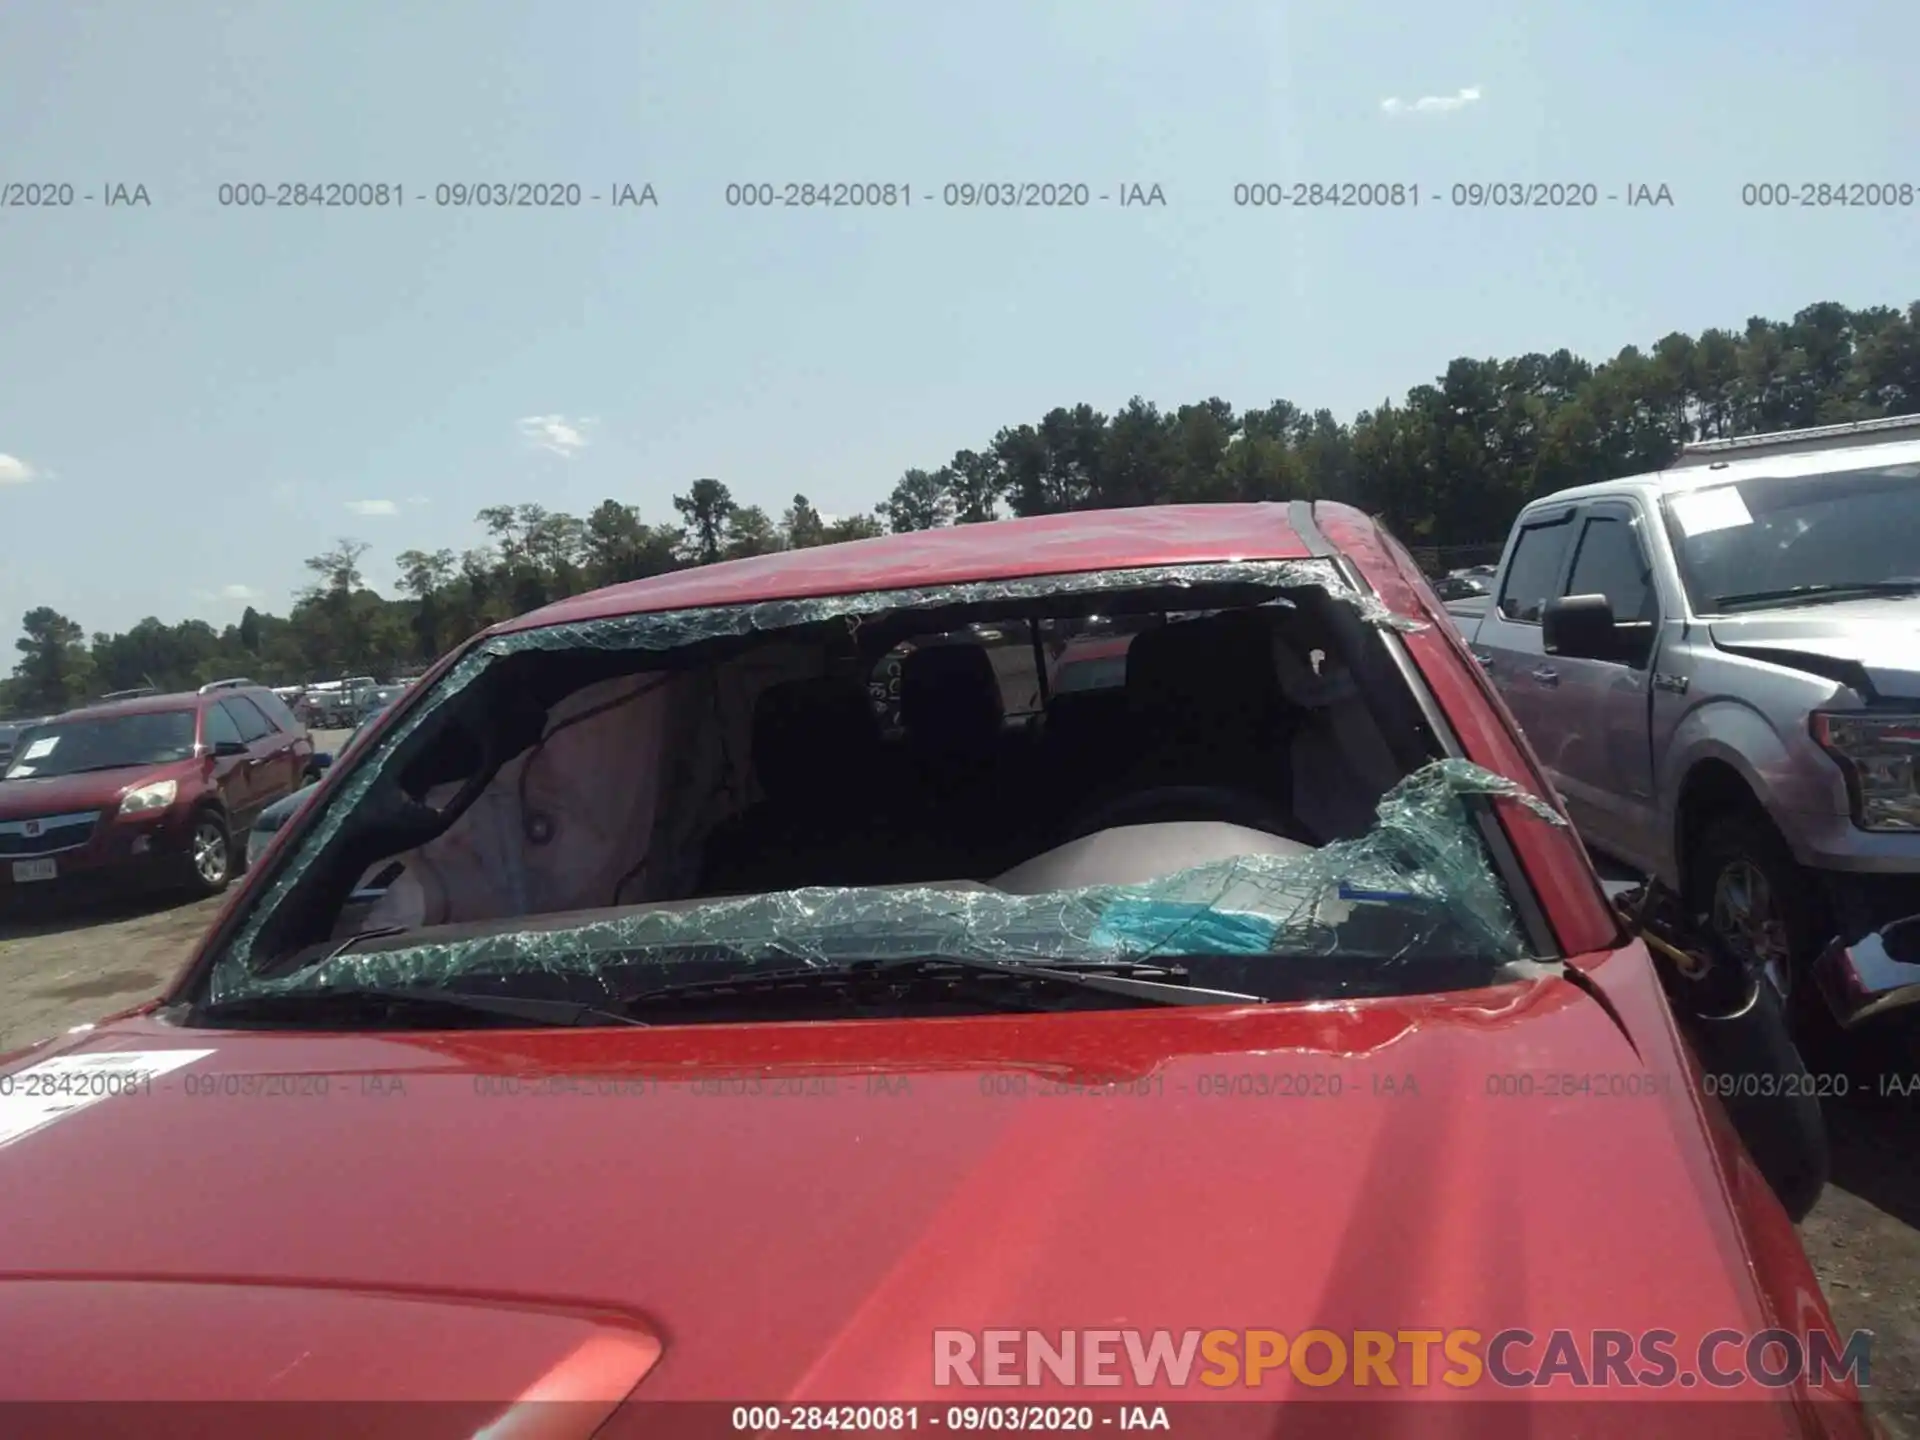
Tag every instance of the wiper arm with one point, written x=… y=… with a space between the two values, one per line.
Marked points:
x=1821 y=592
x=1160 y=984
x=372 y=932
x=410 y=1002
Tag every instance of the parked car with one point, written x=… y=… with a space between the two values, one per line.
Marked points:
x=371 y=702
x=9 y=732
x=149 y=789
x=1461 y=586
x=1719 y=666
x=1290 y=1003
x=316 y=704
x=337 y=704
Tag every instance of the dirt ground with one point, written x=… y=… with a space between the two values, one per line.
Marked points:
x=60 y=968
x=1864 y=1241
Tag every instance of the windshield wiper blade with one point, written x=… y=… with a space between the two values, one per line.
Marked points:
x=410 y=1001
x=1846 y=591
x=1160 y=984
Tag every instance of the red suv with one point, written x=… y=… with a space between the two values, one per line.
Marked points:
x=150 y=788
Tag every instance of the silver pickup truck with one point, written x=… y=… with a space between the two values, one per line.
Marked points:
x=1719 y=667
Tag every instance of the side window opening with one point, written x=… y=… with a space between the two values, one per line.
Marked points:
x=1611 y=562
x=275 y=710
x=219 y=727
x=247 y=717
x=1534 y=571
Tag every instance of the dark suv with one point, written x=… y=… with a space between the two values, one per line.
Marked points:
x=154 y=788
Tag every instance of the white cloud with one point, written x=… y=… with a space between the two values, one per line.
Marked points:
x=373 y=507
x=1432 y=104
x=14 y=471
x=416 y=501
x=230 y=595
x=556 y=433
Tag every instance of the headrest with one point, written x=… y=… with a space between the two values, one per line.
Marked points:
x=807 y=733
x=950 y=697
x=1196 y=664
x=1299 y=637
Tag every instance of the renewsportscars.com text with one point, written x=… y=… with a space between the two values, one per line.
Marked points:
x=1413 y=1358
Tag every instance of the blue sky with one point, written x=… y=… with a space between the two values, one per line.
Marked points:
x=193 y=398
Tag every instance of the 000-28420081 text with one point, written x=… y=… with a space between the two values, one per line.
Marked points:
x=961 y=1419
x=759 y=1419
x=807 y=195
x=76 y=1084
x=1340 y=194
x=1570 y=1085
x=1830 y=195
x=301 y=195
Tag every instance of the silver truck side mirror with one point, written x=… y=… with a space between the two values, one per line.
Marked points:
x=1580 y=627
x=1878 y=973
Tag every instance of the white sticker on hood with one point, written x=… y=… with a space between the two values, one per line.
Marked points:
x=41 y=748
x=1704 y=511
x=35 y=1097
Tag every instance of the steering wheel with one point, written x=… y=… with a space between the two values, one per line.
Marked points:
x=1170 y=803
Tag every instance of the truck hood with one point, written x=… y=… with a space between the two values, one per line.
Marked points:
x=26 y=797
x=790 y=1211
x=1878 y=637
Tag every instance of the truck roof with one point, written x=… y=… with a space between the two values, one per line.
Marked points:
x=1712 y=471
x=1062 y=544
x=1814 y=438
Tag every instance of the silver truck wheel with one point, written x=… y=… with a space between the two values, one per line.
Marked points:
x=1747 y=919
x=1759 y=904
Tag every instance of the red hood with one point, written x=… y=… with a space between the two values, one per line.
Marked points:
x=804 y=1244
x=94 y=790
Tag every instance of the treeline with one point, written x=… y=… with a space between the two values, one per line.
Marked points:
x=1449 y=465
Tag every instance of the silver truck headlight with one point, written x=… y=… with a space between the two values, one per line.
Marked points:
x=1881 y=756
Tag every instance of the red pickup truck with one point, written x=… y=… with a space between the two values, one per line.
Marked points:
x=1251 y=1031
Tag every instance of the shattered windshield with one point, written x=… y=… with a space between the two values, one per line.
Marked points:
x=1419 y=882
x=592 y=809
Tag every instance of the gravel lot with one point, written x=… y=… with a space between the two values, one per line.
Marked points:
x=60 y=969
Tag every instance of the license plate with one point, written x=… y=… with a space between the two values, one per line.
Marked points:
x=24 y=870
